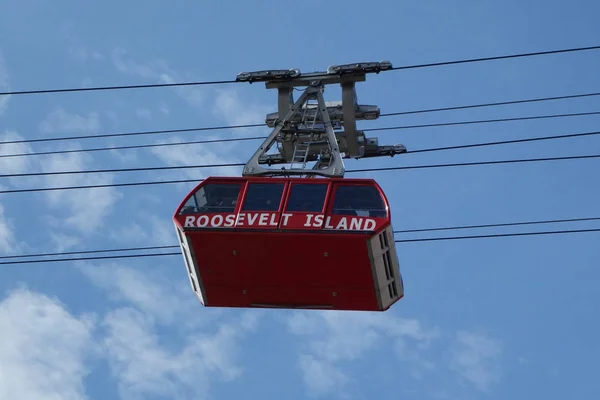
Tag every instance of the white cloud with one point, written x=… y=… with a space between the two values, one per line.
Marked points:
x=193 y=96
x=198 y=154
x=160 y=298
x=230 y=108
x=8 y=243
x=83 y=54
x=14 y=165
x=86 y=209
x=337 y=338
x=81 y=210
x=11 y=165
x=155 y=230
x=125 y=156
x=145 y=367
x=475 y=358
x=320 y=376
x=157 y=70
x=224 y=104
x=62 y=121
x=43 y=349
x=164 y=297
x=143 y=364
x=77 y=50
x=64 y=242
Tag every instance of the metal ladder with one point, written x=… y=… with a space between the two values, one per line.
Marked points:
x=300 y=153
x=301 y=149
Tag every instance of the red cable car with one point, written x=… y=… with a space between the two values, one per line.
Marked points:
x=290 y=243
x=308 y=239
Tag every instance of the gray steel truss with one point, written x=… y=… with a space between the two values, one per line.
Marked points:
x=306 y=132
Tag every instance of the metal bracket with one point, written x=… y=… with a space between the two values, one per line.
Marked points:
x=326 y=141
x=320 y=142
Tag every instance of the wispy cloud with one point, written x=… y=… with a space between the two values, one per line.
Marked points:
x=162 y=299
x=76 y=49
x=140 y=359
x=143 y=366
x=224 y=104
x=321 y=377
x=8 y=166
x=83 y=210
x=337 y=338
x=157 y=71
x=8 y=243
x=198 y=154
x=144 y=230
x=475 y=357
x=14 y=165
x=44 y=351
x=61 y=121
x=229 y=107
x=43 y=348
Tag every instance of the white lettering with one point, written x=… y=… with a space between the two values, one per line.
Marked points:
x=308 y=218
x=269 y=219
x=189 y=221
x=273 y=221
x=203 y=218
x=264 y=219
x=370 y=224
x=355 y=223
x=217 y=220
x=318 y=221
x=252 y=219
x=230 y=220
x=328 y=223
x=343 y=224
x=348 y=223
x=240 y=219
x=285 y=217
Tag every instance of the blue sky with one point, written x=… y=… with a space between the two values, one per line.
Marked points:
x=488 y=318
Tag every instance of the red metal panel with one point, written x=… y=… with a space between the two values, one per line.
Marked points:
x=282 y=269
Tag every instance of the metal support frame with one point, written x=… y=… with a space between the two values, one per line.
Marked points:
x=298 y=142
x=335 y=166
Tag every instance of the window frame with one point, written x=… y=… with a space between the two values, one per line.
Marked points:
x=325 y=206
x=334 y=193
x=193 y=195
x=282 y=200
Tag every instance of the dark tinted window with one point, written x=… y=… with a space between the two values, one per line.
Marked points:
x=308 y=197
x=263 y=197
x=213 y=198
x=359 y=201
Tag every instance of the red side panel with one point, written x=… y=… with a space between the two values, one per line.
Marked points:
x=311 y=270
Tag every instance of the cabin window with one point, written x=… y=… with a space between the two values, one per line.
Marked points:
x=213 y=198
x=307 y=197
x=263 y=196
x=362 y=201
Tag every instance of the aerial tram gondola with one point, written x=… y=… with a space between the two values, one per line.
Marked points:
x=297 y=237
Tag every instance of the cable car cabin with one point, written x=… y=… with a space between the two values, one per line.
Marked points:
x=321 y=243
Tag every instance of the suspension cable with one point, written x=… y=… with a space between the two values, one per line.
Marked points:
x=498 y=235
x=222 y=82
